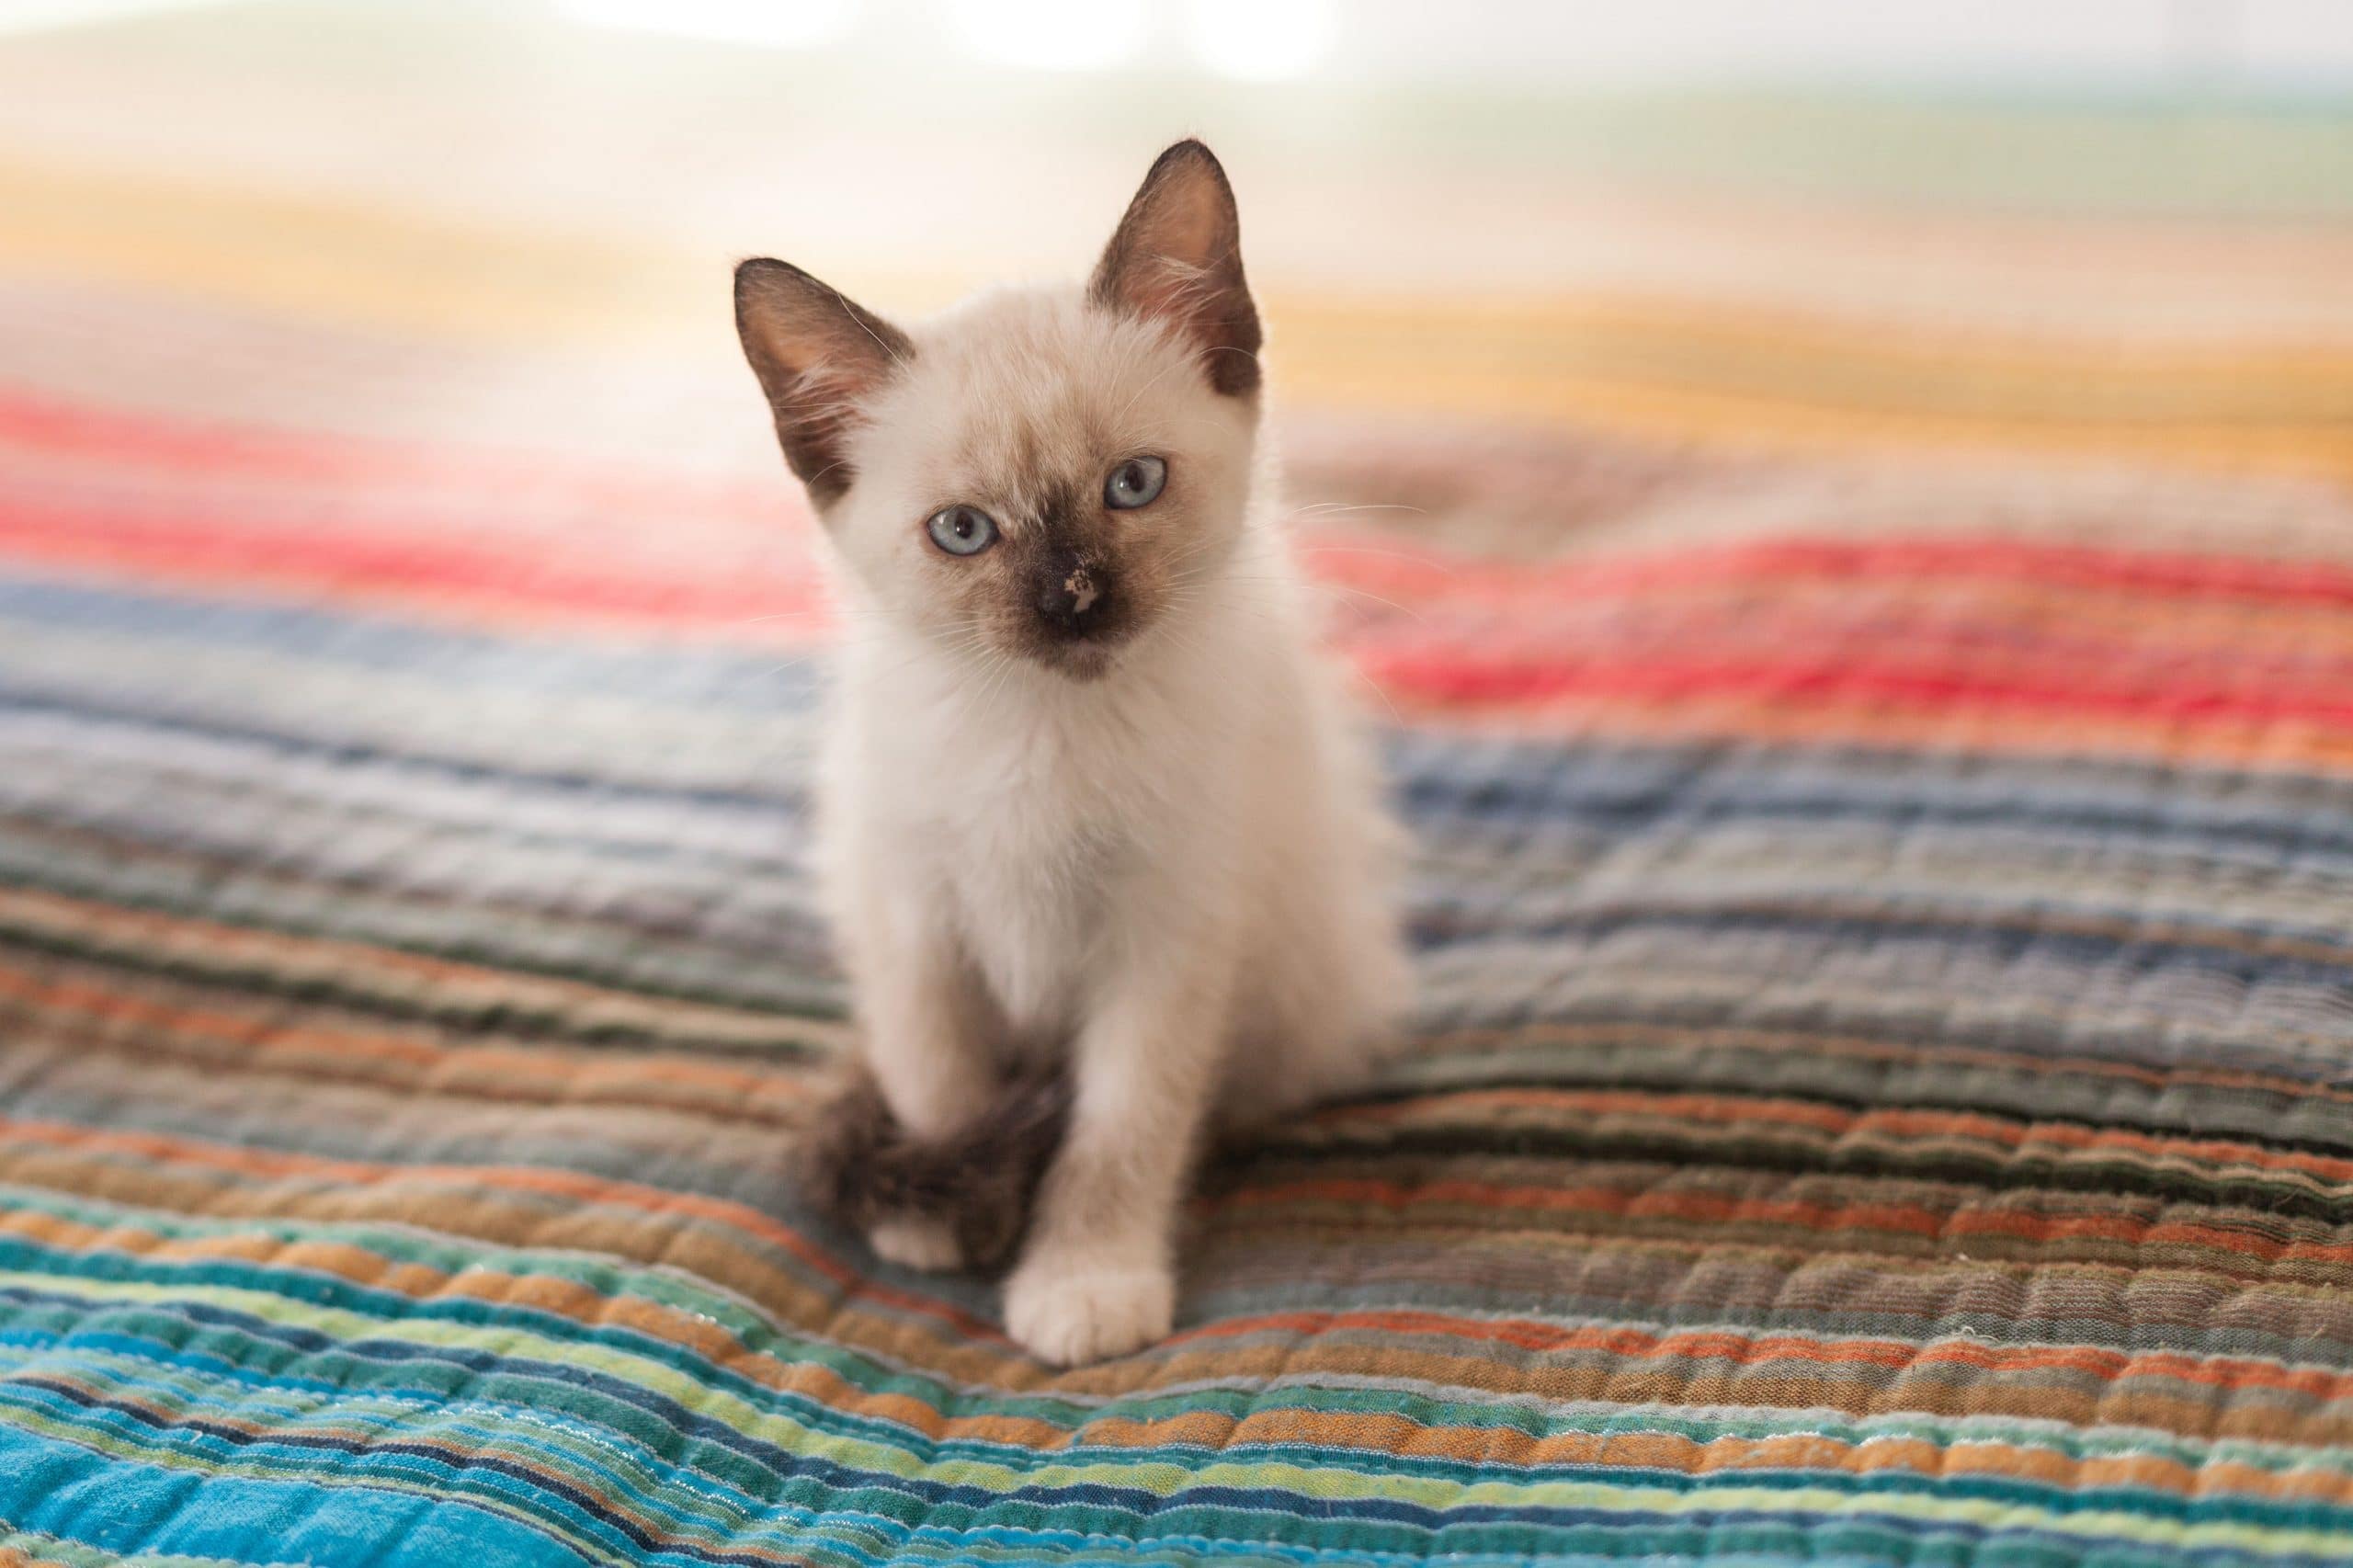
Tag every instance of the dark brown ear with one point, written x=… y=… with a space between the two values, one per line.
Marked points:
x=1178 y=259
x=818 y=355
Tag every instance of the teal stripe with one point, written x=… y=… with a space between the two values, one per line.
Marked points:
x=545 y=1394
x=610 y=1280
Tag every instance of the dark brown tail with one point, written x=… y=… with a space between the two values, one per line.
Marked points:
x=860 y=1165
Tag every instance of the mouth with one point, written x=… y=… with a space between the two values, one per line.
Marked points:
x=1078 y=658
x=1076 y=649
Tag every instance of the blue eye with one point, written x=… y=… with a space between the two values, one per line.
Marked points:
x=1135 y=482
x=961 y=530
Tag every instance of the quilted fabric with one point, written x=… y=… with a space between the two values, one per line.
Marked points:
x=1881 y=1089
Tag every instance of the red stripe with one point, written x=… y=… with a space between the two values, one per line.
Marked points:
x=783 y=598
x=1384 y=565
x=1712 y=1209
x=1452 y=678
x=485 y=573
x=1429 y=575
x=169 y=445
x=505 y=576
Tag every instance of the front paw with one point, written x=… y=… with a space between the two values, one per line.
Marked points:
x=1068 y=1314
x=916 y=1241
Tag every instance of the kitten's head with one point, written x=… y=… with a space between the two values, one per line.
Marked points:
x=1039 y=473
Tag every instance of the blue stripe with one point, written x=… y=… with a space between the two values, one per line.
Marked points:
x=122 y=1505
x=542 y=1381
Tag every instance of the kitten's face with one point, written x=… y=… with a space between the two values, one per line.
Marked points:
x=1041 y=475
x=1042 y=481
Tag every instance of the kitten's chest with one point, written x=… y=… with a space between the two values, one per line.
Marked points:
x=1031 y=918
x=1034 y=868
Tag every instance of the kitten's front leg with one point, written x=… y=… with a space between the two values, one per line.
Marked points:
x=1097 y=1275
x=924 y=1040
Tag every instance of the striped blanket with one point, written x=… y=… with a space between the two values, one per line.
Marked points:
x=1882 y=1087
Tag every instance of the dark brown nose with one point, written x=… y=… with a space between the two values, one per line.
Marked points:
x=1069 y=593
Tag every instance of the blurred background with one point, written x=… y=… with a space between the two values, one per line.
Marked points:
x=1701 y=225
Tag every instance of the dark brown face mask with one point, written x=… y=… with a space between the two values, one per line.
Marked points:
x=1074 y=607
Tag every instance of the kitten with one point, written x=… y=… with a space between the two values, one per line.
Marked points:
x=1088 y=803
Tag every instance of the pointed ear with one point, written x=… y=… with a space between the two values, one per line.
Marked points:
x=1176 y=259
x=818 y=356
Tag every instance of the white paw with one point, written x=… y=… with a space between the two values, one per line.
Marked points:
x=1067 y=1316
x=912 y=1241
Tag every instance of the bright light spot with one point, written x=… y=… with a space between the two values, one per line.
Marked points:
x=777 y=24
x=1051 y=35
x=1262 y=40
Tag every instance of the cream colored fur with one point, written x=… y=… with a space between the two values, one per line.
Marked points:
x=1175 y=872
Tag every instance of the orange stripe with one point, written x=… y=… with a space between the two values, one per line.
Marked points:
x=2258 y=747
x=1506 y=1448
x=1907 y=1125
x=1628 y=1345
x=573 y=1185
x=151 y=932
x=550 y=1075
x=1717 y=1210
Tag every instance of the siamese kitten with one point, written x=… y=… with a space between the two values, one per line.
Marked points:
x=1090 y=810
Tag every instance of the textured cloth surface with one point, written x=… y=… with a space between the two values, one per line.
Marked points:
x=1882 y=1087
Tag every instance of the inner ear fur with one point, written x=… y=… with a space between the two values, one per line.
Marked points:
x=819 y=355
x=1176 y=259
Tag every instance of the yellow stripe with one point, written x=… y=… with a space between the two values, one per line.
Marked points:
x=1768 y=422
x=1710 y=372
x=343 y=265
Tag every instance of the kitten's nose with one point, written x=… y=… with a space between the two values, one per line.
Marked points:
x=1068 y=590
